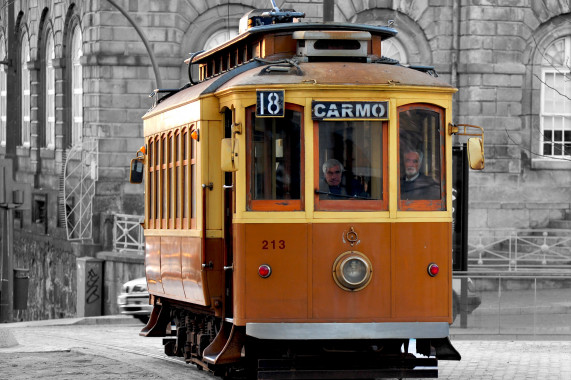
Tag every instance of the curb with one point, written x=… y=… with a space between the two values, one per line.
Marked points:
x=87 y=321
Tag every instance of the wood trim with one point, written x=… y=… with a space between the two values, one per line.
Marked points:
x=274 y=204
x=433 y=204
x=350 y=204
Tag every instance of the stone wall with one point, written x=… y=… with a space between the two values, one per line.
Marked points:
x=118 y=268
x=52 y=285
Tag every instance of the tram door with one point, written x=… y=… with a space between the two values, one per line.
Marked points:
x=229 y=195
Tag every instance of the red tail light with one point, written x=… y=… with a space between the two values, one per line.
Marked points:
x=264 y=271
x=433 y=269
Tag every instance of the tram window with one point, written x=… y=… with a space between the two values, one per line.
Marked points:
x=351 y=165
x=421 y=157
x=274 y=161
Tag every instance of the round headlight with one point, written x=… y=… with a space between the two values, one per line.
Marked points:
x=352 y=271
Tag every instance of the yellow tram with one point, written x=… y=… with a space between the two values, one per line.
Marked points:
x=298 y=206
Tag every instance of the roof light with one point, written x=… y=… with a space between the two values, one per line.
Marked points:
x=264 y=271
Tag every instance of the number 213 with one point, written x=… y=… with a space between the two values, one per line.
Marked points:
x=273 y=244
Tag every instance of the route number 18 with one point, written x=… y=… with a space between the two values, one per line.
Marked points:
x=269 y=103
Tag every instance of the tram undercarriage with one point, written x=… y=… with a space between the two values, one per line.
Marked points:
x=225 y=349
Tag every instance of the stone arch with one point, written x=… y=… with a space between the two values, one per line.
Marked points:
x=410 y=35
x=547 y=33
x=203 y=26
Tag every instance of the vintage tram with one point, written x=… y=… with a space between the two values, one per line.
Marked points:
x=298 y=197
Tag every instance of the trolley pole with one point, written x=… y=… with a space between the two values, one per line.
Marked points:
x=328 y=10
x=11 y=197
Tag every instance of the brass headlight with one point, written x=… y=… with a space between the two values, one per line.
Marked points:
x=352 y=271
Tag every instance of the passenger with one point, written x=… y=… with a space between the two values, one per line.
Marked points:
x=414 y=184
x=332 y=182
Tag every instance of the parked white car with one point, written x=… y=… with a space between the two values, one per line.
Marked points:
x=134 y=299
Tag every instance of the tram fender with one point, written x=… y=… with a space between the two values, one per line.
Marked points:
x=442 y=348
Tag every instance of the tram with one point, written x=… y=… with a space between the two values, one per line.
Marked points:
x=298 y=206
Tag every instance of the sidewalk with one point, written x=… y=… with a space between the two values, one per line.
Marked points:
x=9 y=331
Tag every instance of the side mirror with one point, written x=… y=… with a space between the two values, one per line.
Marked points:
x=136 y=173
x=476 y=153
x=229 y=155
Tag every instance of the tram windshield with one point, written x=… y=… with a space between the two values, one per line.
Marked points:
x=350 y=163
x=275 y=158
x=420 y=133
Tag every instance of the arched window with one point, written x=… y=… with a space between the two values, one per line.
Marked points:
x=50 y=94
x=25 y=91
x=392 y=48
x=76 y=86
x=219 y=37
x=555 y=136
x=3 y=106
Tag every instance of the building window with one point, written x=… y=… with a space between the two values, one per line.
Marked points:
x=392 y=48
x=555 y=136
x=76 y=86
x=219 y=37
x=50 y=91
x=3 y=106
x=25 y=91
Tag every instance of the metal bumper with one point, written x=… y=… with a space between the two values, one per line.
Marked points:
x=326 y=331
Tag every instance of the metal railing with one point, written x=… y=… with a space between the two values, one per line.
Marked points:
x=514 y=250
x=128 y=233
x=517 y=304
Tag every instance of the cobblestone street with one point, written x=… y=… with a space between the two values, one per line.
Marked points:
x=112 y=349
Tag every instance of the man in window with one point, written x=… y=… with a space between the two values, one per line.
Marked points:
x=332 y=180
x=414 y=184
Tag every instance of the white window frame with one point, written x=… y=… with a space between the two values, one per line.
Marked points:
x=76 y=86
x=25 y=91
x=563 y=71
x=3 y=93
x=50 y=99
x=392 y=48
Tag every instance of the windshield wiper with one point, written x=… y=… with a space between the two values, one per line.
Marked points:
x=342 y=195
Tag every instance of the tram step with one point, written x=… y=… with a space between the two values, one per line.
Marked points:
x=397 y=367
x=424 y=373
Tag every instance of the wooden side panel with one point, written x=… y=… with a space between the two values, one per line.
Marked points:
x=153 y=264
x=416 y=295
x=330 y=302
x=192 y=274
x=215 y=275
x=171 y=271
x=283 y=295
x=239 y=273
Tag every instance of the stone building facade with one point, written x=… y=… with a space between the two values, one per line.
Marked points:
x=77 y=74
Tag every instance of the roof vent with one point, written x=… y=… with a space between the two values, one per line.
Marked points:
x=351 y=44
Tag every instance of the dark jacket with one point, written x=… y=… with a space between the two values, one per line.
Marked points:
x=422 y=187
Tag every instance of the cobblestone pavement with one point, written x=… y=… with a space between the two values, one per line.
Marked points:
x=114 y=350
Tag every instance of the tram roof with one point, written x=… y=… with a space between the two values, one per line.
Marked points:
x=384 y=32
x=313 y=75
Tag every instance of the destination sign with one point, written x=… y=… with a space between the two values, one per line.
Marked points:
x=349 y=110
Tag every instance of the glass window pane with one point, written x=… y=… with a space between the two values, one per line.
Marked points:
x=350 y=160
x=420 y=161
x=276 y=157
x=547 y=149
